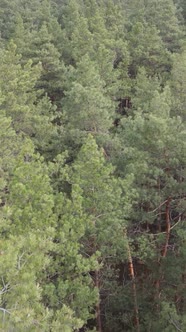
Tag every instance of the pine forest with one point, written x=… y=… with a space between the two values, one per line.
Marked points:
x=92 y=165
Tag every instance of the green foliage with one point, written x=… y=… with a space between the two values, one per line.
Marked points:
x=147 y=49
x=38 y=45
x=177 y=84
x=30 y=112
x=154 y=151
x=92 y=165
x=85 y=104
x=26 y=231
x=164 y=15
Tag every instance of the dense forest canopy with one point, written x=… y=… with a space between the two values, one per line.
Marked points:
x=93 y=165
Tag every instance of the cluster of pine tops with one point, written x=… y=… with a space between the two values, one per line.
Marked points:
x=92 y=165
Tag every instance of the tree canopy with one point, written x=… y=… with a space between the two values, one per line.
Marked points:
x=92 y=165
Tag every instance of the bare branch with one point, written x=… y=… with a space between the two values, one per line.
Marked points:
x=5 y=311
x=158 y=207
x=175 y=325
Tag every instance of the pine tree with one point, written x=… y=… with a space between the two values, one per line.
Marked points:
x=26 y=231
x=164 y=15
x=85 y=102
x=29 y=213
x=7 y=18
x=38 y=45
x=106 y=212
x=153 y=150
x=143 y=90
x=92 y=165
x=67 y=281
x=177 y=83
x=30 y=112
x=147 y=49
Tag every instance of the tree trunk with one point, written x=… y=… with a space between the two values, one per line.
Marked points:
x=168 y=227
x=132 y=275
x=98 y=309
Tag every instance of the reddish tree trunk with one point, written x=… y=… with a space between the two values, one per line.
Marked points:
x=168 y=227
x=132 y=275
x=98 y=309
